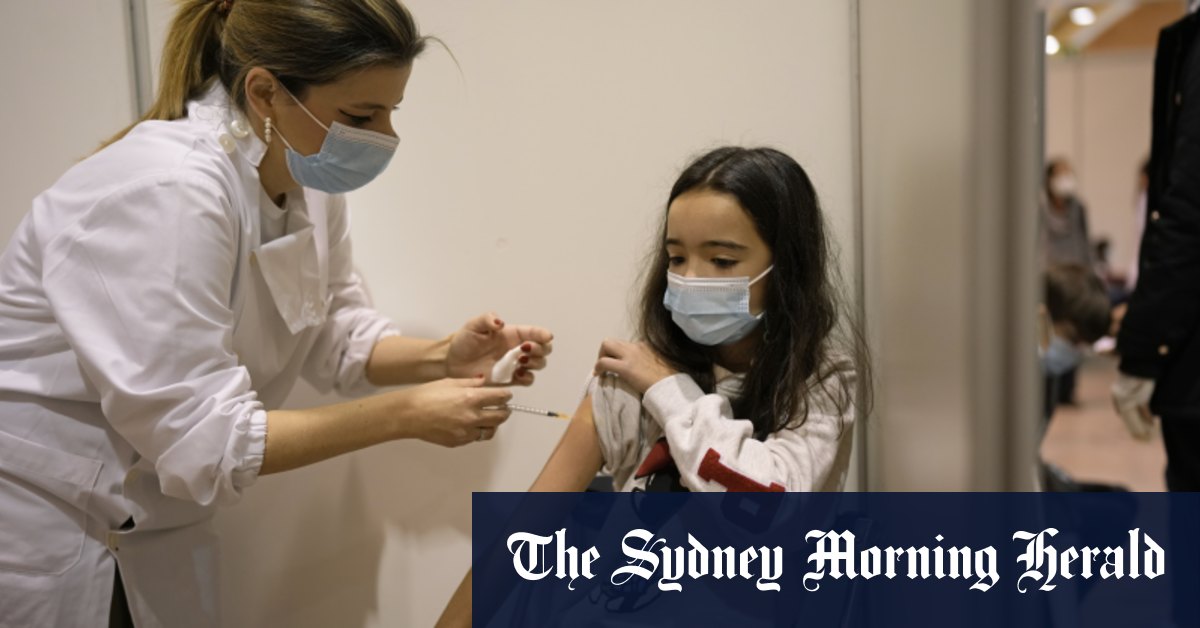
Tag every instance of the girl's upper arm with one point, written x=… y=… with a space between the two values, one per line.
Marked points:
x=576 y=459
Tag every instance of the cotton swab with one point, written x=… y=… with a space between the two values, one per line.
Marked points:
x=502 y=372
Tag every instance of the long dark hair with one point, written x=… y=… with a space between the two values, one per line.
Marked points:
x=799 y=349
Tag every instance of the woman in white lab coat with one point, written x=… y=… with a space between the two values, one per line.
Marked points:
x=161 y=299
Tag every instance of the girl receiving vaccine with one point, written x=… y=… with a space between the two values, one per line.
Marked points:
x=740 y=380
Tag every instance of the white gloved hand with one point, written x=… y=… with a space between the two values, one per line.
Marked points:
x=1131 y=398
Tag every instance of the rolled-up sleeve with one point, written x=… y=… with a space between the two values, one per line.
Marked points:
x=140 y=285
x=716 y=452
x=617 y=413
x=338 y=359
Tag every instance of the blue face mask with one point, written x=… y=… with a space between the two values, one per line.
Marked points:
x=1060 y=357
x=712 y=310
x=349 y=158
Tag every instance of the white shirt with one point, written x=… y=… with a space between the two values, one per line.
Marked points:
x=715 y=451
x=154 y=304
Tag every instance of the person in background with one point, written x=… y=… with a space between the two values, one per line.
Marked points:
x=1064 y=226
x=1159 y=338
x=1075 y=313
x=1102 y=268
x=1064 y=240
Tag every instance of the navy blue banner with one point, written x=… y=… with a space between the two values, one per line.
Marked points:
x=851 y=559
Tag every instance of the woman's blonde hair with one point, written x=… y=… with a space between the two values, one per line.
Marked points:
x=302 y=42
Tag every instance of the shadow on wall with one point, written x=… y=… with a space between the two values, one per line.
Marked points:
x=320 y=561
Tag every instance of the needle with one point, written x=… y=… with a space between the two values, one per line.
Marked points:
x=549 y=413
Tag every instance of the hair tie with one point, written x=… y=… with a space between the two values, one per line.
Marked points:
x=223 y=6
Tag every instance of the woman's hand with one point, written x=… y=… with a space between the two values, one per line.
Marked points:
x=454 y=412
x=634 y=362
x=448 y=412
x=476 y=347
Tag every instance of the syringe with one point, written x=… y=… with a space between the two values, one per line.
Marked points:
x=529 y=410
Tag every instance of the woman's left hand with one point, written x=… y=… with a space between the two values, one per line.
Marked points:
x=476 y=347
x=634 y=362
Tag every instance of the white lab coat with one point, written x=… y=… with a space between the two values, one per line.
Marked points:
x=146 y=325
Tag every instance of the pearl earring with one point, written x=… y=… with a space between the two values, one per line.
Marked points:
x=267 y=130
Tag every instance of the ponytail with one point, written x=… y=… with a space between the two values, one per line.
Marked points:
x=303 y=42
x=190 y=60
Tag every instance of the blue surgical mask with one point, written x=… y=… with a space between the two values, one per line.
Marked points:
x=712 y=310
x=1060 y=356
x=349 y=158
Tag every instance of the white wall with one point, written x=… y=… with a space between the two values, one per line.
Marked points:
x=948 y=120
x=1098 y=117
x=915 y=204
x=58 y=104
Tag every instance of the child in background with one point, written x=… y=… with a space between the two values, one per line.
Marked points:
x=1074 y=314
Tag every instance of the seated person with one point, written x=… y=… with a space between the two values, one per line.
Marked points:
x=1075 y=313
x=741 y=381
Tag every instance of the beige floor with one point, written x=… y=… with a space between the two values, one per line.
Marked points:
x=1090 y=442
